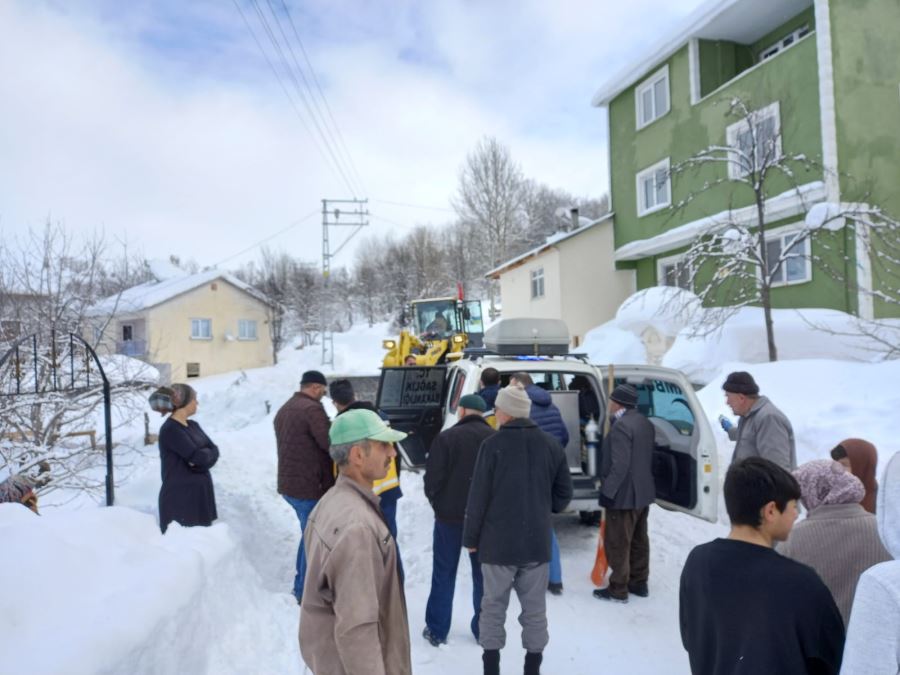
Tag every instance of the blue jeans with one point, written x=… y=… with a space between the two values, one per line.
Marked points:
x=388 y=503
x=555 y=562
x=303 y=507
x=439 y=610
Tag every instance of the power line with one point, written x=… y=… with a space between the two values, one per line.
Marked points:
x=269 y=238
x=315 y=79
x=293 y=75
x=284 y=88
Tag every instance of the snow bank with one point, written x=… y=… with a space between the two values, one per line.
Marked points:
x=799 y=334
x=610 y=344
x=102 y=591
x=663 y=308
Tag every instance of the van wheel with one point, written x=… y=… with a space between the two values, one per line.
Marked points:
x=590 y=517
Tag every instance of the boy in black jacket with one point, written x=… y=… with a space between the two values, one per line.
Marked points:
x=745 y=609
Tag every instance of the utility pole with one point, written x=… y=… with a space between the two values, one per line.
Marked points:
x=355 y=216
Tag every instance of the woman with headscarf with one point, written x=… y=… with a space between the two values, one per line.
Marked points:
x=18 y=490
x=861 y=458
x=839 y=538
x=186 y=455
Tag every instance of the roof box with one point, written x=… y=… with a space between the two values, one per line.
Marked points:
x=533 y=337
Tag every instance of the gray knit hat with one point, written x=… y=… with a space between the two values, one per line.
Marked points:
x=514 y=401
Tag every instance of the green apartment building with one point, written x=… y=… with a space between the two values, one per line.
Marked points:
x=824 y=78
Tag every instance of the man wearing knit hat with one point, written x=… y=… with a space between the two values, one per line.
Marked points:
x=626 y=491
x=448 y=474
x=763 y=430
x=353 y=615
x=521 y=476
x=304 y=467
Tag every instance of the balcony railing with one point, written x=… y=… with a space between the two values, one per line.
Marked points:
x=132 y=347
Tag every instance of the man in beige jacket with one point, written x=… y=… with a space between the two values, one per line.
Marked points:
x=353 y=615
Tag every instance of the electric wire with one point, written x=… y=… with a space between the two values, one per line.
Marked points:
x=414 y=206
x=284 y=88
x=293 y=76
x=315 y=79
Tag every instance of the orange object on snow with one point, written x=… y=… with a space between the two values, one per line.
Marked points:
x=601 y=565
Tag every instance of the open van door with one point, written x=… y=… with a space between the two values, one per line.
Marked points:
x=413 y=398
x=685 y=465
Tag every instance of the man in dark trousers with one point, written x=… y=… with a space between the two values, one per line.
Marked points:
x=448 y=474
x=626 y=491
x=745 y=608
x=521 y=476
x=387 y=488
x=305 y=470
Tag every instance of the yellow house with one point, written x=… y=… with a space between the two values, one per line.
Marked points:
x=572 y=276
x=187 y=325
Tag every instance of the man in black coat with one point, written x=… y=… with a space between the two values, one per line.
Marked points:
x=521 y=476
x=743 y=607
x=448 y=474
x=626 y=491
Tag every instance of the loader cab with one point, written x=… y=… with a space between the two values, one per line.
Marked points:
x=443 y=317
x=684 y=452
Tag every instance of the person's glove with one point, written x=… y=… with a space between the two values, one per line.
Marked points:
x=606 y=502
x=727 y=424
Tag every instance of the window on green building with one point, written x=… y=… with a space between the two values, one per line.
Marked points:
x=795 y=266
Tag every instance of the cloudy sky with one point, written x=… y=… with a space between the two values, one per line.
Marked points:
x=161 y=123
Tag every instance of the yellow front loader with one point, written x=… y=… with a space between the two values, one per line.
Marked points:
x=441 y=328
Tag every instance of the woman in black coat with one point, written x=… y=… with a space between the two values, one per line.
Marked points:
x=186 y=456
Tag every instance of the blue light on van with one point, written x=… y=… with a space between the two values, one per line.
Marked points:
x=531 y=358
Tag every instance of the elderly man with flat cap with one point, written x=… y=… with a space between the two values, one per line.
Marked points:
x=521 y=476
x=626 y=491
x=353 y=615
x=448 y=474
x=305 y=471
x=763 y=430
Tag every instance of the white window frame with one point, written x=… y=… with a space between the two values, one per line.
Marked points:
x=662 y=263
x=781 y=233
x=794 y=36
x=537 y=283
x=733 y=131
x=243 y=324
x=650 y=83
x=642 y=207
x=198 y=334
x=122 y=327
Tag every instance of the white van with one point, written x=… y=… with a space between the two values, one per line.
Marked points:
x=423 y=401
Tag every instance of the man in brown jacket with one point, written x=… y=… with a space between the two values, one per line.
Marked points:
x=304 y=468
x=353 y=616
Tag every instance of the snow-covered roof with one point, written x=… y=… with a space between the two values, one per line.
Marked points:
x=742 y=21
x=794 y=202
x=551 y=241
x=167 y=285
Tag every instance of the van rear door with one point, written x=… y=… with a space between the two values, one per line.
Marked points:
x=685 y=465
x=413 y=398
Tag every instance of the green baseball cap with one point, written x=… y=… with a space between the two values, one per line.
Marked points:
x=360 y=425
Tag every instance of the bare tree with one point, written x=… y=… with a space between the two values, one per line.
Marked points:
x=50 y=399
x=490 y=200
x=728 y=262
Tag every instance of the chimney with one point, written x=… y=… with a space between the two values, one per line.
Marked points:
x=574 y=213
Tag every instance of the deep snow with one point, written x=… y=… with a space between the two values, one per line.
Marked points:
x=101 y=591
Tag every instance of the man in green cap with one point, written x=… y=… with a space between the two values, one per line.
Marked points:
x=353 y=614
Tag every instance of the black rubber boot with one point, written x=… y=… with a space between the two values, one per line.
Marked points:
x=533 y=663
x=491 y=659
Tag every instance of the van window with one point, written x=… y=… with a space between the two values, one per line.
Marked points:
x=456 y=389
x=666 y=400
